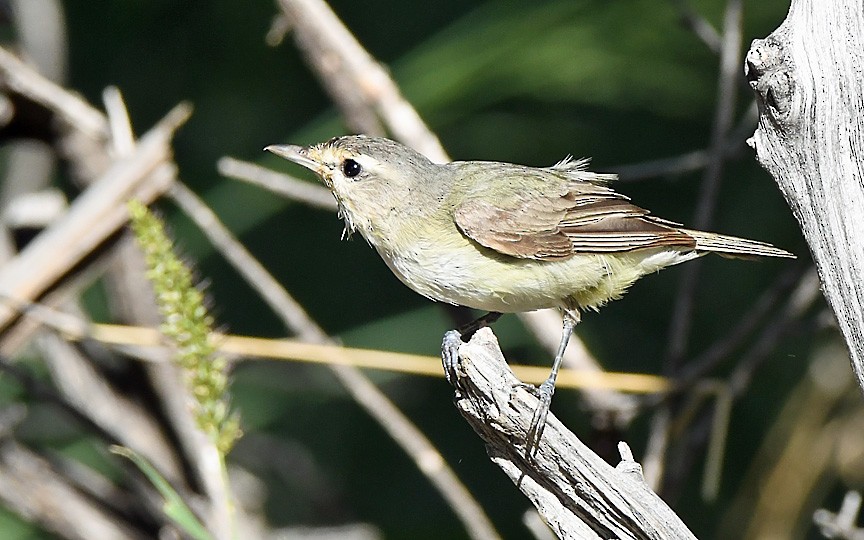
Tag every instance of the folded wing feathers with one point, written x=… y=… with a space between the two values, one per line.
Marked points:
x=587 y=216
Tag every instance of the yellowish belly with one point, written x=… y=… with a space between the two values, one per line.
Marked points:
x=466 y=274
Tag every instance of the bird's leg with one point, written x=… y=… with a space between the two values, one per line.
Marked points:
x=544 y=393
x=467 y=331
x=454 y=338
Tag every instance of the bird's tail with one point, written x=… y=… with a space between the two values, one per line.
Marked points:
x=734 y=247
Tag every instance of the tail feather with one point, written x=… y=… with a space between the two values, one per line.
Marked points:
x=734 y=247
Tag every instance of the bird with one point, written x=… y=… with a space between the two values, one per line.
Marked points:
x=501 y=237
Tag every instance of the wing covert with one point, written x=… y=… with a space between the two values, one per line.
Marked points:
x=579 y=217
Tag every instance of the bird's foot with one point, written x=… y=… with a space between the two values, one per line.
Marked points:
x=538 y=421
x=450 y=355
x=527 y=387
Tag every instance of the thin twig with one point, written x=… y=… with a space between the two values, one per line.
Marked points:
x=656 y=448
x=41 y=31
x=700 y=26
x=71 y=108
x=42 y=392
x=78 y=329
x=747 y=324
x=679 y=327
x=784 y=322
x=24 y=472
x=86 y=389
x=670 y=166
x=805 y=295
x=357 y=82
x=122 y=135
x=93 y=216
x=15 y=339
x=674 y=166
x=268 y=288
x=287 y=186
x=734 y=147
x=843 y=523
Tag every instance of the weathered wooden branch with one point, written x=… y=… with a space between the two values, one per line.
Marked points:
x=807 y=79
x=92 y=218
x=578 y=494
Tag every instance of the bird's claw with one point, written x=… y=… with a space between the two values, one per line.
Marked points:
x=450 y=355
x=538 y=420
x=528 y=387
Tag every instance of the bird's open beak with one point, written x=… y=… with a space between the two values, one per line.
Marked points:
x=294 y=153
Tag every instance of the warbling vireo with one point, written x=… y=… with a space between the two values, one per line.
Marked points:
x=501 y=237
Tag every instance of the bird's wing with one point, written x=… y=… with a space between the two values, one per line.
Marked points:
x=569 y=215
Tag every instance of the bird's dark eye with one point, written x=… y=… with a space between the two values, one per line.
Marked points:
x=351 y=168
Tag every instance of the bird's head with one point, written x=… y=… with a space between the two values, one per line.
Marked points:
x=370 y=177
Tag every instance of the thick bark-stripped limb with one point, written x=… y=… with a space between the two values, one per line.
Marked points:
x=807 y=79
x=578 y=494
